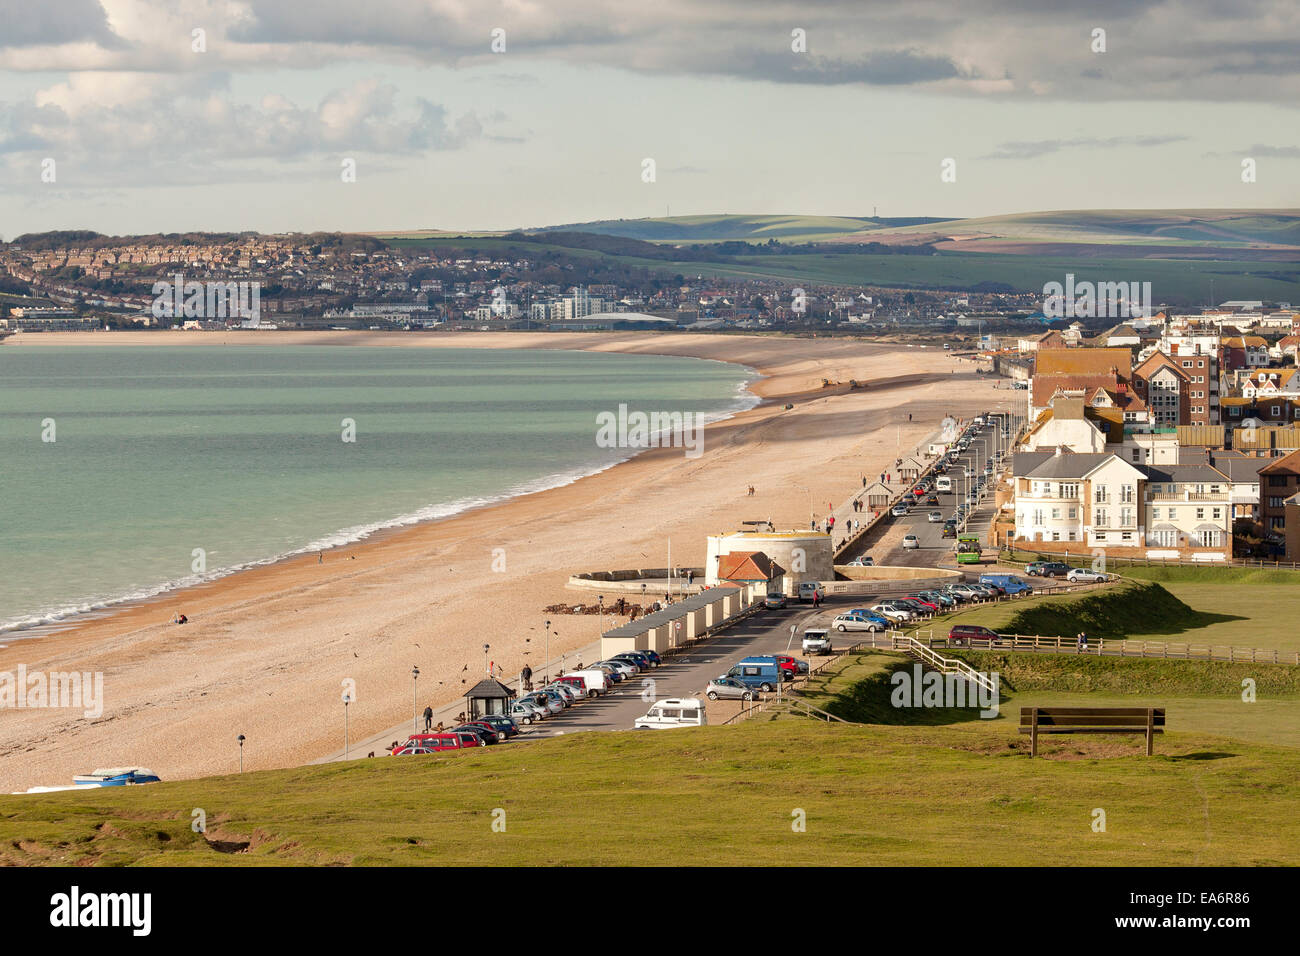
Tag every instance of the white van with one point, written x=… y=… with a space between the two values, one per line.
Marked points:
x=811 y=590
x=597 y=680
x=673 y=712
x=943 y=483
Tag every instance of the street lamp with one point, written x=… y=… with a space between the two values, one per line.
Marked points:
x=600 y=602
x=415 y=697
x=240 y=738
x=347 y=699
x=486 y=670
x=546 y=678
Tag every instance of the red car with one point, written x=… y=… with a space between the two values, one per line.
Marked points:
x=930 y=604
x=789 y=666
x=434 y=743
x=579 y=685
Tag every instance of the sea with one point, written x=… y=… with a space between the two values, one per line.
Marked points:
x=127 y=471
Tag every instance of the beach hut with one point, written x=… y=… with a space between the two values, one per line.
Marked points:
x=877 y=496
x=488 y=696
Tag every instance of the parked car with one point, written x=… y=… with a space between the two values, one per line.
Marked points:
x=486 y=735
x=551 y=705
x=587 y=684
x=673 y=712
x=816 y=641
x=775 y=600
x=911 y=542
x=428 y=744
x=1085 y=576
x=863 y=561
x=655 y=659
x=1009 y=584
x=623 y=667
x=502 y=723
x=526 y=712
x=898 y=615
x=498 y=735
x=961 y=635
x=853 y=622
x=800 y=666
x=1047 y=569
x=919 y=608
x=568 y=693
x=938 y=597
x=728 y=688
x=635 y=658
x=764 y=676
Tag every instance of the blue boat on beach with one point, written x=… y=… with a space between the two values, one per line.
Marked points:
x=115 y=777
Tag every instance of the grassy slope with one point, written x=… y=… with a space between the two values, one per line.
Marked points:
x=1219 y=606
x=872 y=795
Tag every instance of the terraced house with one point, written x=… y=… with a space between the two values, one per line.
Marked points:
x=1088 y=502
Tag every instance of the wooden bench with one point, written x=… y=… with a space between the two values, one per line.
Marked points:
x=1091 y=720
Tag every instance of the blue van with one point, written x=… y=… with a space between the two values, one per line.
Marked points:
x=1007 y=582
x=763 y=673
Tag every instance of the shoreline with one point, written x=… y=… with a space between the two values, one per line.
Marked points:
x=265 y=648
x=53 y=623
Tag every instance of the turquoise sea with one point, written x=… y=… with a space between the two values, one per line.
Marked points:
x=164 y=455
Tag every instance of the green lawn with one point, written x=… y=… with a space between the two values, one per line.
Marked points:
x=712 y=795
x=1228 y=606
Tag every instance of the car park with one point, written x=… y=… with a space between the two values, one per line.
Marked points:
x=728 y=688
x=1085 y=576
x=775 y=600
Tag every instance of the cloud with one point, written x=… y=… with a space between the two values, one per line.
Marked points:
x=1043 y=147
x=54 y=23
x=192 y=130
x=1176 y=49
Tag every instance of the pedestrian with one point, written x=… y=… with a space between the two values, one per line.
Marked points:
x=320 y=557
x=864 y=481
x=1084 y=638
x=690 y=577
x=428 y=718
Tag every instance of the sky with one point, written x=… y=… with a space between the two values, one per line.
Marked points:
x=135 y=116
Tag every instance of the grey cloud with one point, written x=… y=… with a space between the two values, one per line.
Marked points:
x=30 y=23
x=1035 y=148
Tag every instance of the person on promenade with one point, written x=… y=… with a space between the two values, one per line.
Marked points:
x=428 y=719
x=526 y=677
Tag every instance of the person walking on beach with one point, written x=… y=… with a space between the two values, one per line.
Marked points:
x=428 y=719
x=320 y=557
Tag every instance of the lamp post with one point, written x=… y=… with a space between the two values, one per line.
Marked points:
x=600 y=602
x=486 y=669
x=415 y=697
x=347 y=699
x=240 y=738
x=546 y=678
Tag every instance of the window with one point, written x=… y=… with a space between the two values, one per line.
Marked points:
x=1071 y=535
x=1277 y=410
x=1102 y=519
x=1136 y=453
x=1155 y=514
x=1126 y=517
x=1217 y=513
x=1100 y=536
x=1056 y=514
x=1070 y=490
x=1127 y=536
x=1056 y=536
x=1073 y=513
x=1200 y=514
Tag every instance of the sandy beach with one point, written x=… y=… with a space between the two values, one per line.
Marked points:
x=267 y=649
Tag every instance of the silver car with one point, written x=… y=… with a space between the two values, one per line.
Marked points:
x=728 y=687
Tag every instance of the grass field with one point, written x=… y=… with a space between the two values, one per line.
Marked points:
x=1218 y=606
x=711 y=795
x=1202 y=697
